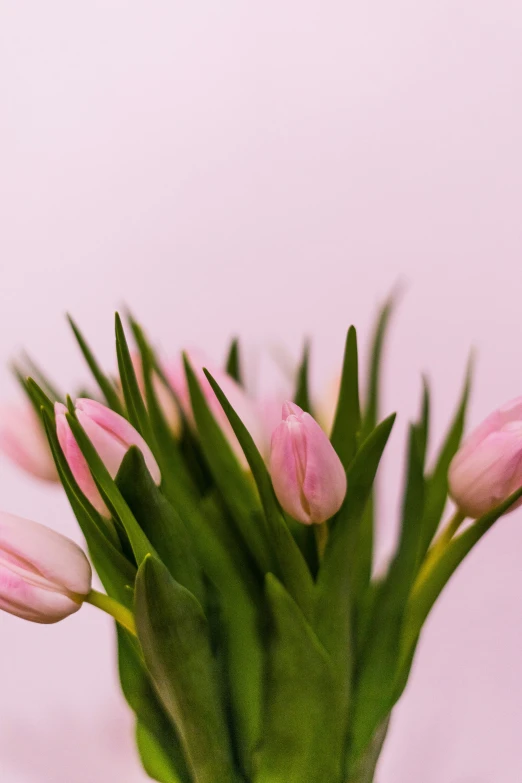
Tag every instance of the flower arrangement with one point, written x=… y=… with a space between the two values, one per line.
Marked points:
x=255 y=642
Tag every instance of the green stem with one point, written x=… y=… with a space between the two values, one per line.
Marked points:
x=438 y=548
x=321 y=539
x=451 y=528
x=121 y=614
x=440 y=543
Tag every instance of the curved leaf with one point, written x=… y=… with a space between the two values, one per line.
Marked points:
x=347 y=422
x=173 y=633
x=292 y=568
x=301 y=738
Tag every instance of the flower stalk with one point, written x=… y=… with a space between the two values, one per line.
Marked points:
x=110 y=606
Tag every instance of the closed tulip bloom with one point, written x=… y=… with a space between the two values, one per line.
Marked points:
x=23 y=440
x=245 y=407
x=111 y=435
x=44 y=576
x=488 y=467
x=308 y=477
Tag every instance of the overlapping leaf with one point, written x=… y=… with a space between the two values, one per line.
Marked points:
x=232 y=482
x=302 y=740
x=173 y=632
x=292 y=568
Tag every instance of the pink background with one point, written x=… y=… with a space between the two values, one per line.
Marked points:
x=270 y=169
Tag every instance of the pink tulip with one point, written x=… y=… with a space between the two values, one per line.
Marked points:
x=488 y=466
x=23 y=440
x=308 y=477
x=243 y=405
x=43 y=575
x=111 y=435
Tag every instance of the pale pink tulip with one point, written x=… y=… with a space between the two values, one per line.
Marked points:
x=23 y=440
x=488 y=466
x=244 y=406
x=308 y=477
x=44 y=576
x=111 y=435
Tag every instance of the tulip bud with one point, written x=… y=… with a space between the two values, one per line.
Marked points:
x=44 y=576
x=487 y=469
x=308 y=477
x=243 y=405
x=110 y=434
x=23 y=440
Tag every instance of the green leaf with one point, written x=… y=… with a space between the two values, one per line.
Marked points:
x=116 y=573
x=233 y=364
x=155 y=758
x=134 y=403
x=347 y=422
x=301 y=737
x=306 y=539
x=233 y=483
x=432 y=580
x=141 y=546
x=292 y=568
x=437 y=481
x=363 y=566
x=242 y=623
x=104 y=382
x=362 y=563
x=39 y=399
x=302 y=393
x=160 y=522
x=404 y=567
x=379 y=657
x=158 y=742
x=423 y=427
x=341 y=551
x=372 y=406
x=365 y=771
x=245 y=668
x=369 y=421
x=335 y=590
x=175 y=476
x=173 y=632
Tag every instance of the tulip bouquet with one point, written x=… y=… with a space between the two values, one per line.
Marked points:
x=256 y=643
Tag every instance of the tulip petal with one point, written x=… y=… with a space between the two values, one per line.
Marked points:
x=58 y=559
x=112 y=436
x=488 y=474
x=307 y=474
x=43 y=575
x=35 y=604
x=285 y=476
x=325 y=484
x=22 y=440
x=77 y=462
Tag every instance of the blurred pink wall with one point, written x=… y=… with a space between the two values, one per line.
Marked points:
x=269 y=169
